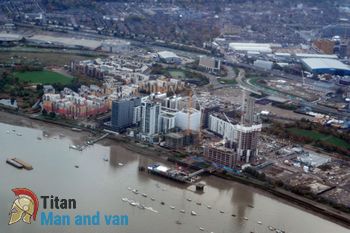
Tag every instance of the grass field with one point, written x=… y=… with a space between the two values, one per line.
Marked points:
x=177 y=73
x=314 y=135
x=43 y=77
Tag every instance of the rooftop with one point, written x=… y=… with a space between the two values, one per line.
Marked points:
x=68 y=41
x=325 y=63
x=166 y=54
x=10 y=37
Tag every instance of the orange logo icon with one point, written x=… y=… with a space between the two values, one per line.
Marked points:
x=25 y=206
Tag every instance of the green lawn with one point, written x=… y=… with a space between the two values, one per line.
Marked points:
x=43 y=77
x=319 y=136
x=177 y=73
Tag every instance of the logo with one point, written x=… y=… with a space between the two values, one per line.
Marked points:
x=25 y=206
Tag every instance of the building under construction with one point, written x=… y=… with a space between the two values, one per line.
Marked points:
x=240 y=141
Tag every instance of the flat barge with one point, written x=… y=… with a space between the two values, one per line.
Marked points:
x=17 y=163
x=173 y=174
x=14 y=163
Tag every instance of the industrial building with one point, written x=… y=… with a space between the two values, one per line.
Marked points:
x=326 y=66
x=253 y=47
x=316 y=55
x=210 y=64
x=7 y=39
x=115 y=46
x=169 y=57
x=266 y=65
x=66 y=42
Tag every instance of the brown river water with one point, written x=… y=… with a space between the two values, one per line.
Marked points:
x=99 y=185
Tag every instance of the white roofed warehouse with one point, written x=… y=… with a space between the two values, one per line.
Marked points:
x=253 y=47
x=169 y=57
x=326 y=66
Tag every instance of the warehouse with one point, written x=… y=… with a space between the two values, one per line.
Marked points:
x=7 y=39
x=169 y=57
x=253 y=47
x=66 y=42
x=115 y=46
x=326 y=66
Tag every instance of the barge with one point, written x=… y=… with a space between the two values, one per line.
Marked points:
x=14 y=163
x=170 y=173
x=19 y=164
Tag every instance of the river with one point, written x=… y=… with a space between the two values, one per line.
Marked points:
x=99 y=185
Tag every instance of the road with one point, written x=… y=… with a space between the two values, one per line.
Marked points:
x=256 y=89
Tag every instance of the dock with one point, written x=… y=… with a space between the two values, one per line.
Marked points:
x=88 y=143
x=19 y=163
x=174 y=174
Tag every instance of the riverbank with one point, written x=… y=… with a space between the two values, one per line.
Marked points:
x=307 y=204
x=316 y=208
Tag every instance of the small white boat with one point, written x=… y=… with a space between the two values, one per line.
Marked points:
x=125 y=199
x=182 y=211
x=201 y=228
x=245 y=218
x=151 y=209
x=144 y=194
x=120 y=164
x=259 y=222
x=209 y=207
x=172 y=207
x=7 y=131
x=133 y=203
x=189 y=199
x=153 y=199
x=129 y=188
x=135 y=191
x=193 y=213
x=271 y=228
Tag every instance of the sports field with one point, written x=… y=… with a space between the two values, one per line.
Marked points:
x=43 y=77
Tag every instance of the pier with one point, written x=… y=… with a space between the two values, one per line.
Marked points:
x=88 y=143
x=175 y=174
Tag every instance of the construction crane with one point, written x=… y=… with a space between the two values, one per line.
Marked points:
x=201 y=117
x=189 y=112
